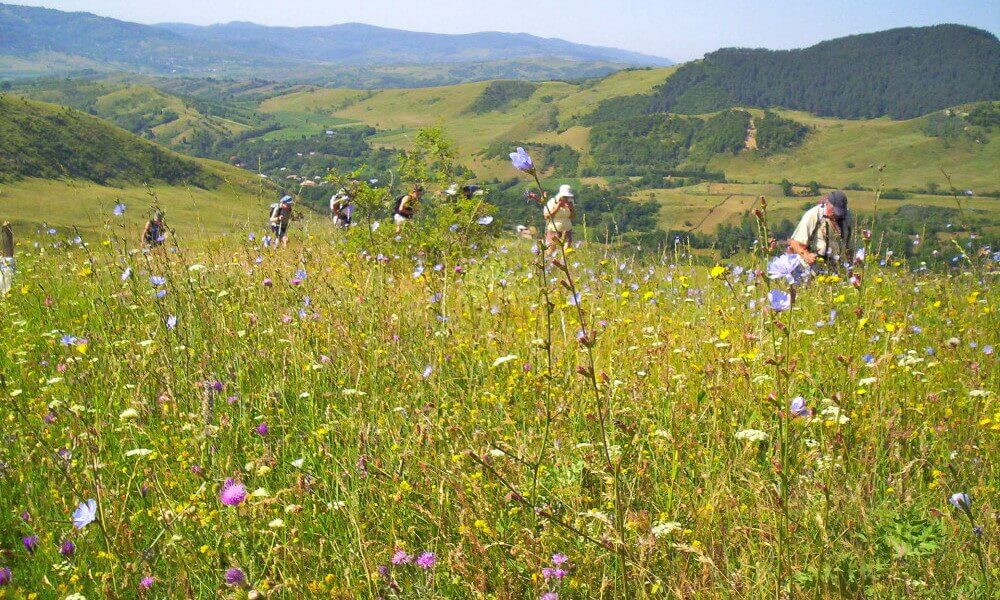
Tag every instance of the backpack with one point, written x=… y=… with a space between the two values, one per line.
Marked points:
x=153 y=233
x=273 y=212
x=399 y=204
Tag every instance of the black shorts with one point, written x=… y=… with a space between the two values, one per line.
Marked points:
x=279 y=229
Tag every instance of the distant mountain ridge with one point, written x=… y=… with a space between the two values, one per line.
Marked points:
x=39 y=41
x=357 y=43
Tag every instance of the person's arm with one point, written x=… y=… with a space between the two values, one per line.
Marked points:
x=145 y=232
x=798 y=243
x=798 y=248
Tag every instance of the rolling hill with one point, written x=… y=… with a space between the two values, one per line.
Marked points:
x=176 y=122
x=64 y=168
x=38 y=41
x=835 y=152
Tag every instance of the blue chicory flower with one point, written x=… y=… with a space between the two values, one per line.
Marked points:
x=522 y=160
x=780 y=301
x=85 y=513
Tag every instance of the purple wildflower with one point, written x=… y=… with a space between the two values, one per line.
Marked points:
x=156 y=280
x=235 y=576
x=261 y=429
x=553 y=573
x=426 y=560
x=5 y=575
x=400 y=557
x=30 y=543
x=559 y=559
x=147 y=582
x=798 y=407
x=171 y=322
x=119 y=209
x=233 y=493
x=550 y=596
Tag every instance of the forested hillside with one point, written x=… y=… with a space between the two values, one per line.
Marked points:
x=902 y=73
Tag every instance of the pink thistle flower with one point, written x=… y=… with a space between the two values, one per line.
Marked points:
x=233 y=493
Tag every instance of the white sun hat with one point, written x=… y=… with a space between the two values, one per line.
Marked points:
x=565 y=191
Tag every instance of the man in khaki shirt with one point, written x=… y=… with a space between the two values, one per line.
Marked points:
x=825 y=231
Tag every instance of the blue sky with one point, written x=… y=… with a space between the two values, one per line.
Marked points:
x=676 y=30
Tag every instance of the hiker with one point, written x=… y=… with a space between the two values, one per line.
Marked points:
x=281 y=216
x=559 y=213
x=825 y=231
x=341 y=209
x=406 y=207
x=6 y=258
x=155 y=232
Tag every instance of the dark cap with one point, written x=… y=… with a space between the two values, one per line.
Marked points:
x=838 y=200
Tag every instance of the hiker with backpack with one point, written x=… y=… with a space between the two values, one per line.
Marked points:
x=825 y=231
x=406 y=206
x=341 y=209
x=155 y=232
x=281 y=216
x=6 y=258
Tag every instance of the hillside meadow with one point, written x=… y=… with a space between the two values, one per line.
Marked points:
x=366 y=416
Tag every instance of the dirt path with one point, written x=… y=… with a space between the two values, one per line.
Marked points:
x=751 y=141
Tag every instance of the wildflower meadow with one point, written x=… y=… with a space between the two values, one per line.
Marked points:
x=457 y=414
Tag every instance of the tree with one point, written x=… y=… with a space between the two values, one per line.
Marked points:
x=786 y=188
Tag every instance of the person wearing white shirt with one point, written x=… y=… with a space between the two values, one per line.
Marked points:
x=559 y=212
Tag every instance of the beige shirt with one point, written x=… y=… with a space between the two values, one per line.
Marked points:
x=818 y=233
x=557 y=220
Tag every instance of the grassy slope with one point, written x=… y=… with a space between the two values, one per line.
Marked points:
x=193 y=212
x=913 y=158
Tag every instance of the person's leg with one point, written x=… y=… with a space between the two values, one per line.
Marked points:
x=551 y=238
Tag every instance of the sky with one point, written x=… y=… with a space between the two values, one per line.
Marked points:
x=679 y=31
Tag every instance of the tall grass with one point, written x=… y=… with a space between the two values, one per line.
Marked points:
x=453 y=412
